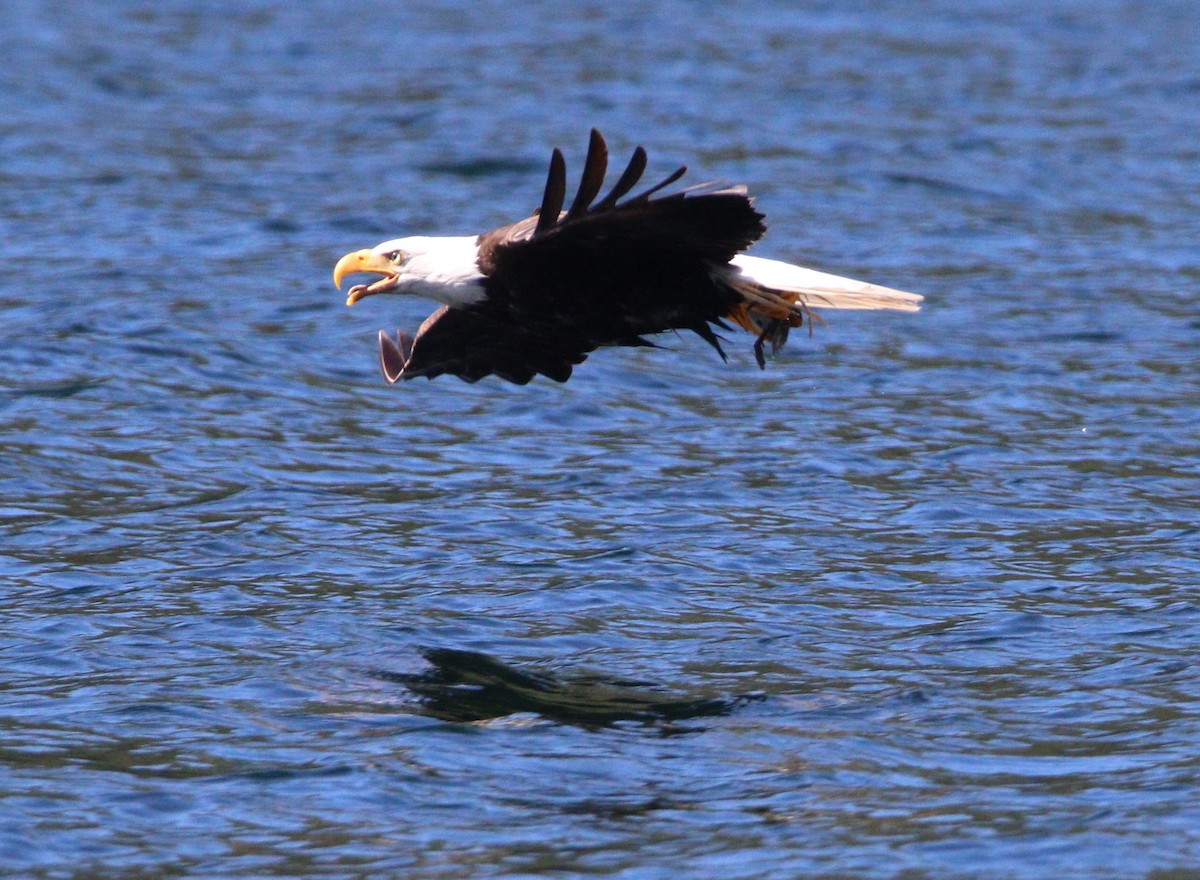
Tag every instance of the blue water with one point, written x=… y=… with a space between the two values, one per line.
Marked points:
x=919 y=600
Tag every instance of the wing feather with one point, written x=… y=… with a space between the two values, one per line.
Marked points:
x=555 y=193
x=594 y=169
x=628 y=180
x=670 y=179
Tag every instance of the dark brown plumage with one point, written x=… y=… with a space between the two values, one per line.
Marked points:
x=604 y=273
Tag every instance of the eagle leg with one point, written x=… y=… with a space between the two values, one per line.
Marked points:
x=773 y=331
x=759 y=357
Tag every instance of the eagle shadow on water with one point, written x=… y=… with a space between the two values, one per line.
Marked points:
x=467 y=686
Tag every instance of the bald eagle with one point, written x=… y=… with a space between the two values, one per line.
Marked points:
x=537 y=296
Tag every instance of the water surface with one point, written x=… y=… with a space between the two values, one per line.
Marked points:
x=919 y=599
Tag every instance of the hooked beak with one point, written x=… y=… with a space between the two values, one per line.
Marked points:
x=365 y=261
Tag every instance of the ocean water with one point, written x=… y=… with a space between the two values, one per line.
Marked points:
x=920 y=599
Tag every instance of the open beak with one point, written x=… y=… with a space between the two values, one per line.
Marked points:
x=365 y=261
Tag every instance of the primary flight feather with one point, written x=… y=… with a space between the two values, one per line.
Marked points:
x=535 y=297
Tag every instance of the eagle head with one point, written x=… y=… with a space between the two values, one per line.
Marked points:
x=387 y=259
x=443 y=269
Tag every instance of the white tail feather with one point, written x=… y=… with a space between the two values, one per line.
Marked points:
x=813 y=289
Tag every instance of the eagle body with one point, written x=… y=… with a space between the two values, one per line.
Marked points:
x=537 y=296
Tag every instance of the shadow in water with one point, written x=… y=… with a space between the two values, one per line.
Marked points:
x=465 y=686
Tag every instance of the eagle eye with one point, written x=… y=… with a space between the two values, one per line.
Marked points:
x=395 y=256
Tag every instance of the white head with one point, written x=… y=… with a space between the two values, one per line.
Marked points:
x=443 y=269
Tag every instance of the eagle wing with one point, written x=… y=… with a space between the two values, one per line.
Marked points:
x=711 y=222
x=562 y=283
x=471 y=343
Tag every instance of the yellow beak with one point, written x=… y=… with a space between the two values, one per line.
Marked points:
x=365 y=261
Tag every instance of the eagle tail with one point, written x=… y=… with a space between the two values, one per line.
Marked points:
x=776 y=296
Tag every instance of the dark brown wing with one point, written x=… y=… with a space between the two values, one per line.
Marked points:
x=562 y=283
x=609 y=272
x=712 y=222
x=474 y=342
